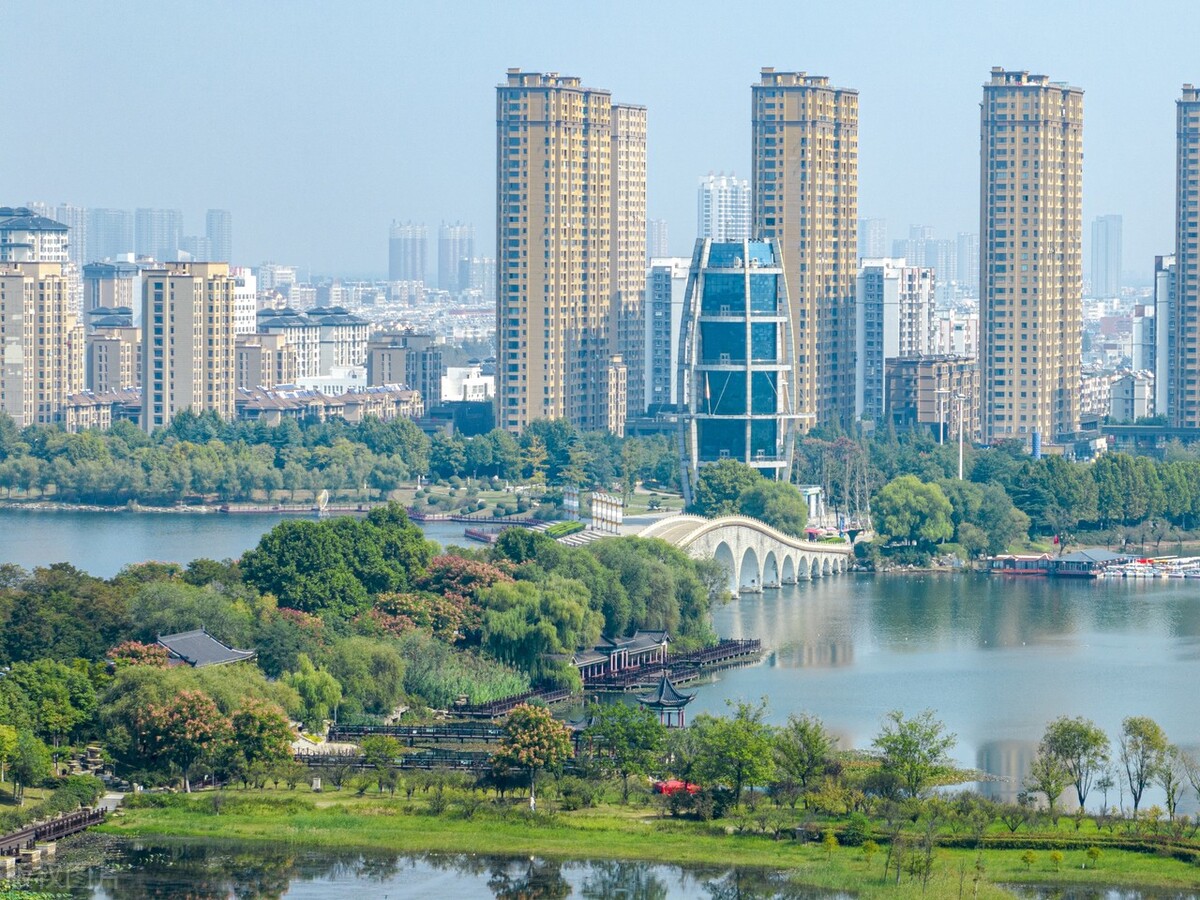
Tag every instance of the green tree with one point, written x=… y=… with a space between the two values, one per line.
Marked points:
x=262 y=733
x=186 y=730
x=1143 y=747
x=532 y=741
x=1081 y=747
x=803 y=749
x=380 y=751
x=524 y=623
x=736 y=750
x=8 y=746
x=1047 y=775
x=629 y=739
x=915 y=750
x=720 y=486
x=909 y=511
x=370 y=672
x=30 y=764
x=777 y=503
x=319 y=693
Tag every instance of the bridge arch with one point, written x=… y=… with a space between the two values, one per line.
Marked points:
x=724 y=555
x=789 y=570
x=770 y=570
x=750 y=573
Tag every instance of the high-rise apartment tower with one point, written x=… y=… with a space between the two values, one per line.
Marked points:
x=407 y=251
x=1106 y=256
x=723 y=208
x=564 y=242
x=188 y=360
x=218 y=228
x=1184 y=387
x=455 y=244
x=805 y=157
x=1030 y=268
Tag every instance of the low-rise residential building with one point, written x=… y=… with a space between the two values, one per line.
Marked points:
x=272 y=407
x=935 y=392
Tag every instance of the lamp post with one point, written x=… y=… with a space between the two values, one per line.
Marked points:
x=941 y=395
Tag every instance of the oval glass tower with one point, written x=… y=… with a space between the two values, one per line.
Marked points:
x=735 y=361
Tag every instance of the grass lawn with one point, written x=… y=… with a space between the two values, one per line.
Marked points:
x=344 y=820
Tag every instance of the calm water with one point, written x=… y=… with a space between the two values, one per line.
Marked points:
x=102 y=542
x=996 y=658
x=100 y=867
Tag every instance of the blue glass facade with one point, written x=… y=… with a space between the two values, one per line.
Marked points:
x=736 y=392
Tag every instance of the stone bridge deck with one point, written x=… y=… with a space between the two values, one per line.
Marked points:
x=756 y=555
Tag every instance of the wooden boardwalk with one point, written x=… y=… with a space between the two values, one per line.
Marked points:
x=442 y=732
x=51 y=830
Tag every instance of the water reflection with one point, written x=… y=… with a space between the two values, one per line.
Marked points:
x=996 y=658
x=1055 y=892
x=102 y=867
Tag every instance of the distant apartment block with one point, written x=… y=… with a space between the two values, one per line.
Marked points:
x=723 y=208
x=1106 y=256
x=658 y=243
x=895 y=316
x=666 y=285
x=157 y=233
x=456 y=244
x=110 y=234
x=872 y=238
x=218 y=228
x=1165 y=337
x=408 y=249
x=409 y=359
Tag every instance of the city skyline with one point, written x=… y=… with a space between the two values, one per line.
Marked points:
x=320 y=201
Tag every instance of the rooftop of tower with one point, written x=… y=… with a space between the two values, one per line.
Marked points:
x=1002 y=77
x=771 y=78
x=22 y=218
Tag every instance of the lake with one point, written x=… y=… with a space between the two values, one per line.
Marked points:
x=996 y=658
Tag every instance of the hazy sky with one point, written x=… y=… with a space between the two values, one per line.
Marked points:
x=317 y=124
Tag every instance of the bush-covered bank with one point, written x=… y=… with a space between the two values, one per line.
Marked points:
x=354 y=619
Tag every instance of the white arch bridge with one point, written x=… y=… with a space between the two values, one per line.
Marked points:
x=756 y=555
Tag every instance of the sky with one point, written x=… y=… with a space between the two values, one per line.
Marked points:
x=318 y=124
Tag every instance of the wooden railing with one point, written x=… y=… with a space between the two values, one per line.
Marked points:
x=50 y=830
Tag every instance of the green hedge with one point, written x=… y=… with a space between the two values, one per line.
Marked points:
x=562 y=529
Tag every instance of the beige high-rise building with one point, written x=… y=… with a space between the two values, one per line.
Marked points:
x=265 y=361
x=188 y=360
x=41 y=342
x=805 y=186
x=627 y=253
x=1183 y=322
x=571 y=254
x=1030 y=257
x=114 y=359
